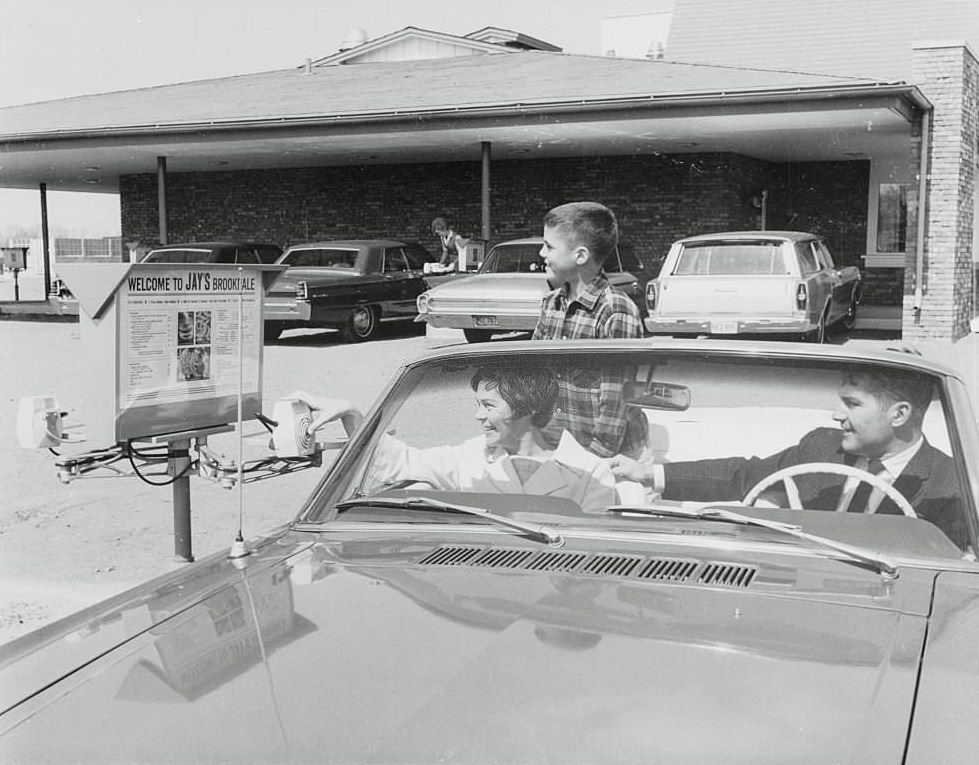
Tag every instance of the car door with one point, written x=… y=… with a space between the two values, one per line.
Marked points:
x=403 y=284
x=839 y=289
x=817 y=279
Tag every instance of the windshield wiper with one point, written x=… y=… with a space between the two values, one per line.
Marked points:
x=860 y=555
x=537 y=532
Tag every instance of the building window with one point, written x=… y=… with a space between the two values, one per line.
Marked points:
x=892 y=217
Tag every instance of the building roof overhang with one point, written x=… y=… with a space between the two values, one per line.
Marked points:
x=315 y=120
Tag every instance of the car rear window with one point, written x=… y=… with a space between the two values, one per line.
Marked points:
x=178 y=256
x=513 y=259
x=730 y=259
x=324 y=257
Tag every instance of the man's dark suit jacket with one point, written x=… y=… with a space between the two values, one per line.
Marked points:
x=928 y=482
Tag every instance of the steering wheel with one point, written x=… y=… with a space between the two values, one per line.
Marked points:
x=785 y=475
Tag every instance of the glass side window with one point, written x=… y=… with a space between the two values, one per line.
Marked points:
x=417 y=256
x=247 y=255
x=394 y=260
x=807 y=258
x=822 y=254
x=513 y=259
x=325 y=257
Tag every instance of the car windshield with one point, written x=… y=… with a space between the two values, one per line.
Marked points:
x=513 y=259
x=526 y=432
x=730 y=259
x=321 y=257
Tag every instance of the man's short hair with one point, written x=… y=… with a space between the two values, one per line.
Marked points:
x=590 y=224
x=890 y=386
x=527 y=391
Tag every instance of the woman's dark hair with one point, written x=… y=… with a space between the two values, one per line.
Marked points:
x=526 y=390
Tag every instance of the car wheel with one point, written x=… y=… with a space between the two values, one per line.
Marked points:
x=477 y=335
x=271 y=331
x=360 y=325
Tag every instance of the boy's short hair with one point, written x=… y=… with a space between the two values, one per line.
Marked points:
x=590 y=224
x=526 y=390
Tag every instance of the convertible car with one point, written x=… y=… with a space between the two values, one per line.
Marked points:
x=472 y=582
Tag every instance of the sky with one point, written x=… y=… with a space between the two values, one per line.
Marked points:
x=54 y=49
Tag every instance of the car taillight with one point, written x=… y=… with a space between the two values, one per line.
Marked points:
x=422 y=303
x=301 y=292
x=651 y=296
x=801 y=296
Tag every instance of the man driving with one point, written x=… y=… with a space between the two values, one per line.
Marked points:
x=880 y=432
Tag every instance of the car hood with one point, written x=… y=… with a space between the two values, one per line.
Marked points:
x=384 y=650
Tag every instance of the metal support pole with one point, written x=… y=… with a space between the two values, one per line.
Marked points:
x=45 y=239
x=16 y=285
x=161 y=196
x=485 y=195
x=179 y=453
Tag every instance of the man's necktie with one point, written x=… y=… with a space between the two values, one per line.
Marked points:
x=858 y=504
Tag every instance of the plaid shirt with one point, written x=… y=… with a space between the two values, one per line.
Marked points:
x=590 y=403
x=600 y=311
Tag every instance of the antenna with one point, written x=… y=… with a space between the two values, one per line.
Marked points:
x=238 y=548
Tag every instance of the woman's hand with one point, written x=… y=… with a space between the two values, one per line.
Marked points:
x=329 y=409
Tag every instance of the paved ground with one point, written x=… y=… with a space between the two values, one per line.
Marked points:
x=66 y=546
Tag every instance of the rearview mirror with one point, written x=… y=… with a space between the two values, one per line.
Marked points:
x=658 y=395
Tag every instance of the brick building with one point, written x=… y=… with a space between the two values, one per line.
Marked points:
x=493 y=128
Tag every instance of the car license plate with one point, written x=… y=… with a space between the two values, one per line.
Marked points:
x=723 y=327
x=485 y=321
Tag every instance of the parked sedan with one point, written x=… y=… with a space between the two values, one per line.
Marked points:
x=752 y=282
x=505 y=294
x=459 y=590
x=351 y=285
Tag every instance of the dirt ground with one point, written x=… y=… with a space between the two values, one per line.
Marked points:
x=63 y=547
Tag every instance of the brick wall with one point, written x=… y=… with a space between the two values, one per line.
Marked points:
x=657 y=199
x=825 y=198
x=949 y=77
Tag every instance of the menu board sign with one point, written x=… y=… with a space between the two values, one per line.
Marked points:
x=189 y=338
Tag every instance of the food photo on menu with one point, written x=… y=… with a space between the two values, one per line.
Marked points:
x=195 y=363
x=185 y=328
x=202 y=327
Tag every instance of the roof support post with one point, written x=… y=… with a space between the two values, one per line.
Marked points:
x=45 y=239
x=485 y=191
x=161 y=196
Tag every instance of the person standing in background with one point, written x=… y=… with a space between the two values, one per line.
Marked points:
x=452 y=243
